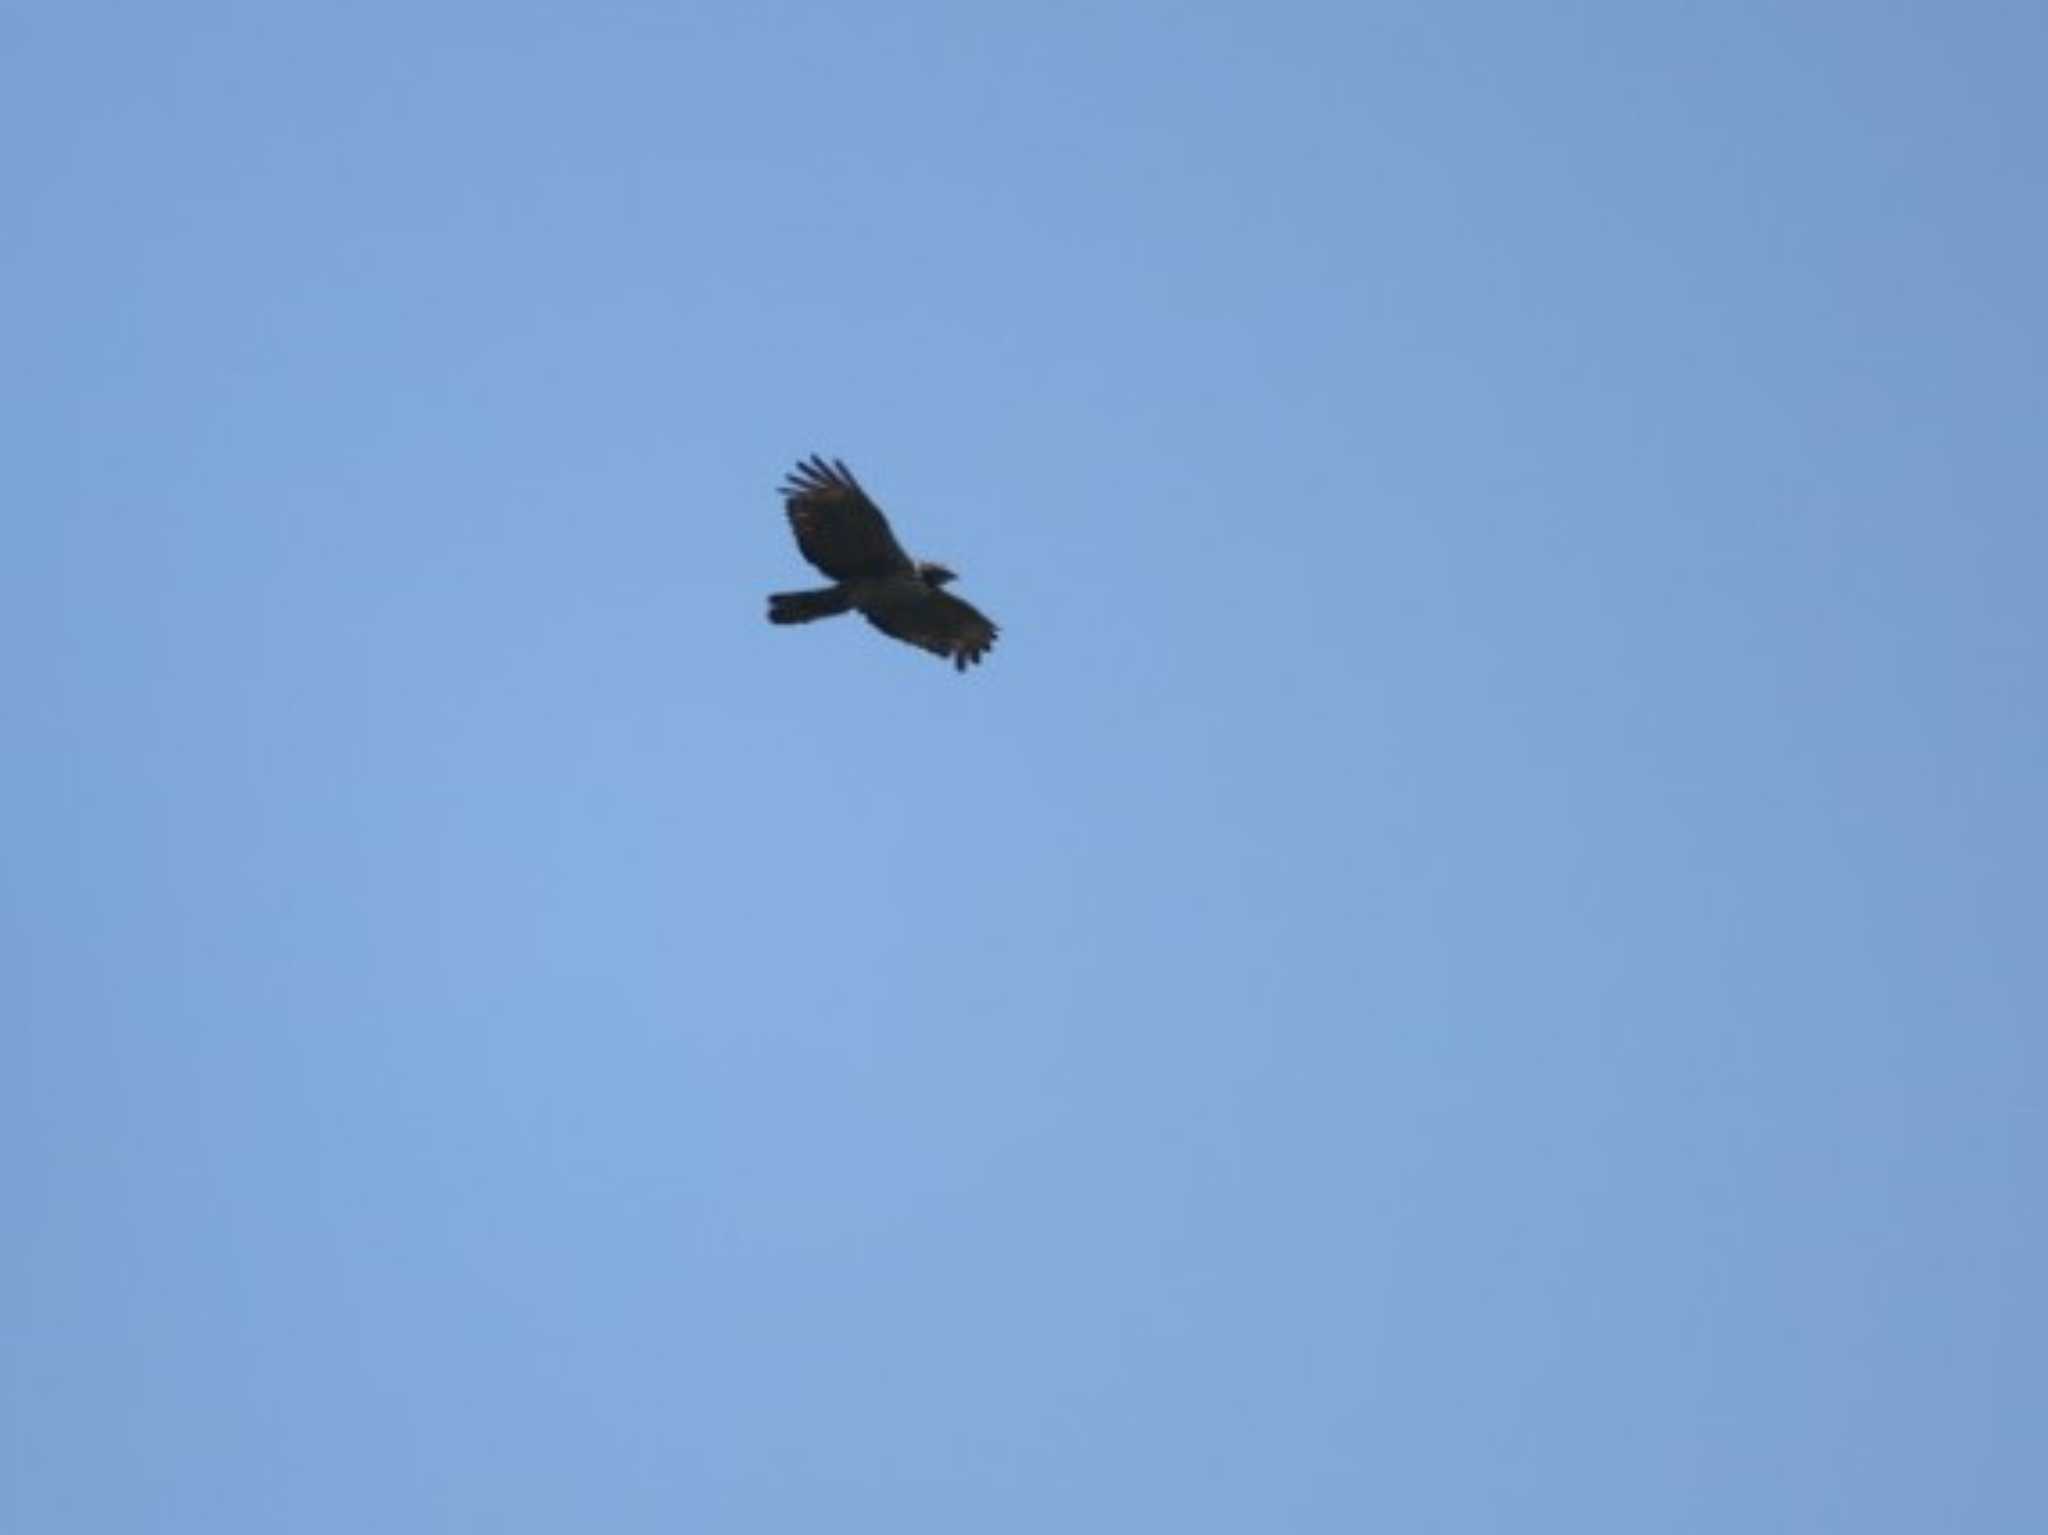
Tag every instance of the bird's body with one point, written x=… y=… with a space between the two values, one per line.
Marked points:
x=842 y=532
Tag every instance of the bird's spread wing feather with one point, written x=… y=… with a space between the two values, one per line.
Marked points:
x=837 y=527
x=941 y=623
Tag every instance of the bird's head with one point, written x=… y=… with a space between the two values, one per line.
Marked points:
x=934 y=574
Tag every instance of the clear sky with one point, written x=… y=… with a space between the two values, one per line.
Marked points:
x=1472 y=962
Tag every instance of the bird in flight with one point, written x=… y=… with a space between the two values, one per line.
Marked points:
x=842 y=532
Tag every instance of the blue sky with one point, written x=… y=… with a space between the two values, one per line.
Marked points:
x=1471 y=961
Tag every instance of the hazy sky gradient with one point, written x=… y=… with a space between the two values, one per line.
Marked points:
x=1471 y=962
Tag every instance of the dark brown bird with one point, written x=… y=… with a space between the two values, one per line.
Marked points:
x=842 y=532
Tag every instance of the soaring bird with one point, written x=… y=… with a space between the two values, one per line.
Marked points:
x=842 y=532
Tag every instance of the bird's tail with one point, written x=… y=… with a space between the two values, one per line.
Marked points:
x=803 y=607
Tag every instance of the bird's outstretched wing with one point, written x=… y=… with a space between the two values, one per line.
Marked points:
x=837 y=527
x=941 y=623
